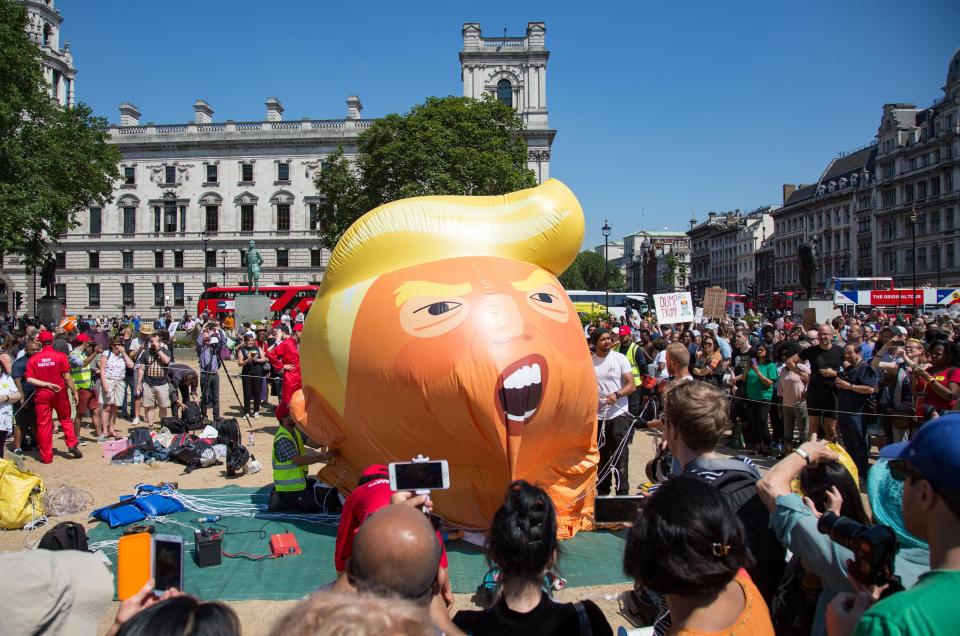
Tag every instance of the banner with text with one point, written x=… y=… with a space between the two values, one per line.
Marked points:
x=673 y=308
x=714 y=302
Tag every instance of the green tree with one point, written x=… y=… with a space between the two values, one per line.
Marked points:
x=586 y=272
x=53 y=160
x=446 y=145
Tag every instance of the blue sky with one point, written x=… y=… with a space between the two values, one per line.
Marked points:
x=664 y=109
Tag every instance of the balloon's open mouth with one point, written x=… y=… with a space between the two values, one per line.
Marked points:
x=520 y=391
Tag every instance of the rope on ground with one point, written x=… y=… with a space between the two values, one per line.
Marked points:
x=66 y=500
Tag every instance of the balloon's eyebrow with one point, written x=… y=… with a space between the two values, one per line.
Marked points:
x=536 y=278
x=418 y=288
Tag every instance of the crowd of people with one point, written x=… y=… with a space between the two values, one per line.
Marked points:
x=88 y=375
x=859 y=404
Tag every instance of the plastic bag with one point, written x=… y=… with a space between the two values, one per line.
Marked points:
x=21 y=496
x=209 y=433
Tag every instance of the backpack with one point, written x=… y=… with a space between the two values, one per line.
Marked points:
x=140 y=435
x=228 y=431
x=195 y=454
x=174 y=424
x=67 y=535
x=738 y=482
x=237 y=458
x=192 y=415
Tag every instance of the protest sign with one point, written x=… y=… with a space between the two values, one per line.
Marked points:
x=673 y=308
x=714 y=302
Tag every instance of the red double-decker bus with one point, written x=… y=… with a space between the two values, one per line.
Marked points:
x=220 y=301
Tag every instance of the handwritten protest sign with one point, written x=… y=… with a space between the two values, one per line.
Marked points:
x=673 y=308
x=714 y=301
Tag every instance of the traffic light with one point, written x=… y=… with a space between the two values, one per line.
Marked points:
x=750 y=289
x=18 y=300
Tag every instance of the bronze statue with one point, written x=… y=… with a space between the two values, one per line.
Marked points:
x=254 y=261
x=48 y=276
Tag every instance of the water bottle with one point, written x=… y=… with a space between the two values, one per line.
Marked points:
x=208 y=519
x=253 y=466
x=137 y=457
x=250 y=438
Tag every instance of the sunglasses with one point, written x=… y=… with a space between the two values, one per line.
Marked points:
x=900 y=469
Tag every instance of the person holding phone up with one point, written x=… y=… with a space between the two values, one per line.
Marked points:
x=759 y=379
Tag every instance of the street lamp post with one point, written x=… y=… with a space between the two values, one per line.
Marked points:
x=939 y=252
x=606 y=282
x=913 y=232
x=206 y=241
x=223 y=278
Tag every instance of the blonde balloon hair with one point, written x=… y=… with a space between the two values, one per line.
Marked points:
x=542 y=226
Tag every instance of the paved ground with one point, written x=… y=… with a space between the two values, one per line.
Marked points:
x=106 y=482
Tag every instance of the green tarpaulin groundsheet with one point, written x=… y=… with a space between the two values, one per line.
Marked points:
x=590 y=558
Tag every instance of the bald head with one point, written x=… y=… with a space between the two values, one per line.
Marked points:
x=396 y=550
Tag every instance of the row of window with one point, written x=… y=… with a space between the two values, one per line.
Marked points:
x=210 y=259
x=212 y=175
x=160 y=298
x=888 y=259
x=888 y=229
x=172 y=217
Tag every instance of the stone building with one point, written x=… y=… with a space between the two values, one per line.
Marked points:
x=757 y=226
x=646 y=256
x=193 y=194
x=43 y=27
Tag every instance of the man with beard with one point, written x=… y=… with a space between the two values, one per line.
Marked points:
x=614 y=385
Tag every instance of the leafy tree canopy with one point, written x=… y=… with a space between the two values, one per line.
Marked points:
x=444 y=146
x=586 y=272
x=53 y=160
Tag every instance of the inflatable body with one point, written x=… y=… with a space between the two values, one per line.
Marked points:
x=441 y=329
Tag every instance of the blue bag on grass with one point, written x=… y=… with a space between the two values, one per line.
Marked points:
x=158 y=505
x=117 y=516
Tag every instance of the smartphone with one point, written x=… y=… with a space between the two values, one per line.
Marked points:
x=168 y=563
x=753 y=361
x=415 y=476
x=616 y=509
x=134 y=563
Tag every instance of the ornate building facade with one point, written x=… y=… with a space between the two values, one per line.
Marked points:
x=43 y=27
x=193 y=194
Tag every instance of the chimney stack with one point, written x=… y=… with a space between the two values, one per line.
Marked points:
x=788 y=189
x=354 y=107
x=202 y=112
x=129 y=114
x=471 y=35
x=274 y=109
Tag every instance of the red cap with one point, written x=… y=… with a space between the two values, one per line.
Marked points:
x=82 y=338
x=375 y=469
x=298 y=326
x=624 y=331
x=45 y=337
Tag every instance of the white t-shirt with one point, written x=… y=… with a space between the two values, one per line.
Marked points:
x=610 y=370
x=7 y=387
x=661 y=359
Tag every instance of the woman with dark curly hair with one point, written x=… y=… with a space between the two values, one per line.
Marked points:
x=523 y=545
x=689 y=547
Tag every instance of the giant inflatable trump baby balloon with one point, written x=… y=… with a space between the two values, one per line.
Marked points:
x=441 y=329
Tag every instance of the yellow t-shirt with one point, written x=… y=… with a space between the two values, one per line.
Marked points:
x=754 y=620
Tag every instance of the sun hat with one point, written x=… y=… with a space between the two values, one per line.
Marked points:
x=146 y=330
x=886 y=502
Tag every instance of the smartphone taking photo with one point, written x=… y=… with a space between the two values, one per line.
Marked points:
x=416 y=476
x=622 y=509
x=168 y=563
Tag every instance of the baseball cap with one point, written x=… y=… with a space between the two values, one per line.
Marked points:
x=624 y=331
x=900 y=331
x=45 y=336
x=82 y=338
x=934 y=452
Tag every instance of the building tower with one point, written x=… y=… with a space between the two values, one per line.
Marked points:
x=513 y=70
x=43 y=27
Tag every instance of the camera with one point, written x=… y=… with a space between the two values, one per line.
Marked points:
x=873 y=547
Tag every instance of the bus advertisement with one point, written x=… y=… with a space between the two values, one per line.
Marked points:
x=879 y=292
x=220 y=301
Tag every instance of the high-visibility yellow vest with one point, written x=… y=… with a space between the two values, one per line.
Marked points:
x=287 y=476
x=82 y=375
x=632 y=359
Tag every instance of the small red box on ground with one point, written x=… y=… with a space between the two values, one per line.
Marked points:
x=284 y=544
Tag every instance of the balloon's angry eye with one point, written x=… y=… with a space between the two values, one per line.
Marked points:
x=436 y=309
x=544 y=297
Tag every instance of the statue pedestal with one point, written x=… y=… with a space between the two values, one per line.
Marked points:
x=251 y=307
x=49 y=309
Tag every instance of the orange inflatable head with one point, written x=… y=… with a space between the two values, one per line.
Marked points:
x=441 y=329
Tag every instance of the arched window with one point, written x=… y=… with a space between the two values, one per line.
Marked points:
x=505 y=92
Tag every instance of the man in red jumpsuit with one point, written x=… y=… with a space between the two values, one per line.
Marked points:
x=49 y=371
x=286 y=355
x=373 y=493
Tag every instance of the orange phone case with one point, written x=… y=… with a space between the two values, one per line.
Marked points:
x=134 y=563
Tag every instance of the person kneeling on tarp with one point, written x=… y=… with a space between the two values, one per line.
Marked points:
x=292 y=489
